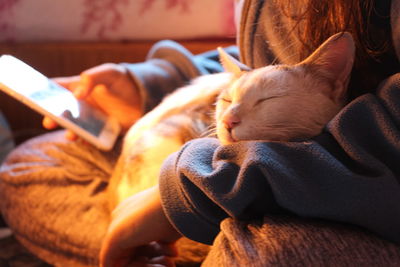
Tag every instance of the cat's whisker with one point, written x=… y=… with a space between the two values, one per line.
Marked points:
x=211 y=135
x=288 y=129
x=210 y=132
x=284 y=131
x=280 y=126
x=274 y=61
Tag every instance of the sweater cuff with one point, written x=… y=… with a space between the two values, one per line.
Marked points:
x=154 y=79
x=186 y=218
x=168 y=66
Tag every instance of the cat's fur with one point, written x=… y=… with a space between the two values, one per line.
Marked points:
x=184 y=115
x=286 y=103
x=280 y=103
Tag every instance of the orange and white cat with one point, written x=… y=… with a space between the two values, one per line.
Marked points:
x=286 y=103
x=275 y=103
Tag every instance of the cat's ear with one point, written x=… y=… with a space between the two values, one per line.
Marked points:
x=334 y=58
x=231 y=64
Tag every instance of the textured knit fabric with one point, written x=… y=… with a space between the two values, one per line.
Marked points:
x=291 y=241
x=169 y=66
x=52 y=195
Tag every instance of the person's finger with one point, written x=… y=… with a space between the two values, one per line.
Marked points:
x=141 y=261
x=104 y=99
x=91 y=78
x=71 y=135
x=104 y=74
x=155 y=249
x=113 y=255
x=85 y=87
x=163 y=260
x=145 y=264
x=67 y=82
x=168 y=249
x=49 y=123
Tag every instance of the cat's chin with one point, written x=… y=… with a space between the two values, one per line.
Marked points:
x=227 y=139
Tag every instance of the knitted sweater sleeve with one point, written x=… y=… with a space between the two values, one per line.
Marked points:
x=169 y=66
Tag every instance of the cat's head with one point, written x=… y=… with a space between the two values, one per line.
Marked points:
x=285 y=102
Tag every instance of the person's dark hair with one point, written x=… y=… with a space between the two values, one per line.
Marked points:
x=367 y=20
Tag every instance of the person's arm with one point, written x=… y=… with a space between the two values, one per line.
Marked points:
x=169 y=66
x=350 y=173
x=127 y=91
x=139 y=233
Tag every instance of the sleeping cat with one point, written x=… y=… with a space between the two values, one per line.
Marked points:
x=275 y=103
x=286 y=103
x=182 y=116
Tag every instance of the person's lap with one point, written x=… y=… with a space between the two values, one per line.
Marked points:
x=293 y=241
x=53 y=197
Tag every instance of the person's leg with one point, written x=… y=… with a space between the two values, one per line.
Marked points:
x=52 y=195
x=292 y=241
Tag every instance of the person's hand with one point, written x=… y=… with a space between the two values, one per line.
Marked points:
x=139 y=234
x=107 y=87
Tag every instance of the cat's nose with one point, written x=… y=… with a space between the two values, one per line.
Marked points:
x=231 y=121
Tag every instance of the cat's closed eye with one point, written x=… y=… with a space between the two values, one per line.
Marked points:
x=259 y=101
x=225 y=99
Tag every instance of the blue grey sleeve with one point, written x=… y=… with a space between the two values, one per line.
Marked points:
x=350 y=173
x=169 y=66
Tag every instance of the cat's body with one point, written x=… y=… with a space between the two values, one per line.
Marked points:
x=184 y=115
x=275 y=103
